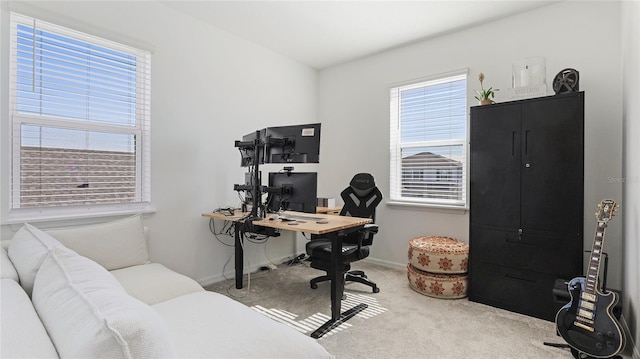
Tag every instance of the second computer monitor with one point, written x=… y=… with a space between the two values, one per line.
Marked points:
x=293 y=191
x=292 y=144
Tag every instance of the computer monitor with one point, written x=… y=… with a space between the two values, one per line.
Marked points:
x=292 y=144
x=250 y=181
x=247 y=149
x=293 y=191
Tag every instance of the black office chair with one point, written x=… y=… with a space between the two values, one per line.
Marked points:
x=360 y=200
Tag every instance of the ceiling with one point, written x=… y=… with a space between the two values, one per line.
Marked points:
x=321 y=34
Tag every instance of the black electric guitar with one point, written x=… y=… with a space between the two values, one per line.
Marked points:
x=587 y=323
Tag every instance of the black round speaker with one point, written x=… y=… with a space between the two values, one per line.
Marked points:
x=567 y=80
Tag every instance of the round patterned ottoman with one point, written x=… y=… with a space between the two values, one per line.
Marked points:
x=435 y=254
x=451 y=286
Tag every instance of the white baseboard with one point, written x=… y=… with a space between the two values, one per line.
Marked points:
x=208 y=280
x=388 y=264
x=230 y=273
x=635 y=353
x=205 y=281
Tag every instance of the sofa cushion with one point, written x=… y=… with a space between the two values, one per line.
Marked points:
x=113 y=245
x=21 y=332
x=153 y=283
x=88 y=314
x=7 y=270
x=238 y=331
x=27 y=250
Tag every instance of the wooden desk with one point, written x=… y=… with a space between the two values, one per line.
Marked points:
x=329 y=210
x=329 y=226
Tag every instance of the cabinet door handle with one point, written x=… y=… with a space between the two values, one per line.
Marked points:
x=517 y=277
x=526 y=142
x=514 y=237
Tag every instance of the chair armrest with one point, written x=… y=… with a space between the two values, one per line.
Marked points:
x=366 y=233
x=371 y=227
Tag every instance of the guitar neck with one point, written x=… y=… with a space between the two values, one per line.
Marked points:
x=594 y=262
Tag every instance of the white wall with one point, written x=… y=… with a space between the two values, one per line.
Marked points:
x=354 y=110
x=208 y=89
x=631 y=167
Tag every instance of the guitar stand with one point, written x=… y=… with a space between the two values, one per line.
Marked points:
x=576 y=354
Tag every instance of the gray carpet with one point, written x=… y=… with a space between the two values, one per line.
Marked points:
x=399 y=323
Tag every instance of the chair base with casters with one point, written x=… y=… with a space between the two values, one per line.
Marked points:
x=351 y=276
x=360 y=277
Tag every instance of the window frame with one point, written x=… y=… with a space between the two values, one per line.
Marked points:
x=396 y=145
x=140 y=131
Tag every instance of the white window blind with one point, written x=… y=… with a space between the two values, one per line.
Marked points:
x=80 y=119
x=428 y=142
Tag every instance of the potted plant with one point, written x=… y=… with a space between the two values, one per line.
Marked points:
x=482 y=95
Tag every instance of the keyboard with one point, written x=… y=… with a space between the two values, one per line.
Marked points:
x=293 y=217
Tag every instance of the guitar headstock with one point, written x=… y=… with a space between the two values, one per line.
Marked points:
x=607 y=208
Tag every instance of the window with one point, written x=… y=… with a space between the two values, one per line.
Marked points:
x=428 y=142
x=80 y=120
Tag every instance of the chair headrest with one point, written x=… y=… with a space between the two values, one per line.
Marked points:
x=362 y=183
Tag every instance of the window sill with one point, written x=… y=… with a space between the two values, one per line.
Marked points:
x=63 y=214
x=428 y=207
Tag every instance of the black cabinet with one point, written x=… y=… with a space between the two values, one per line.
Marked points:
x=526 y=201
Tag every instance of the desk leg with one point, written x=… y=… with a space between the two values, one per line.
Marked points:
x=337 y=291
x=337 y=280
x=239 y=252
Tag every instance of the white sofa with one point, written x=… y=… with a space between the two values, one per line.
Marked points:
x=90 y=292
